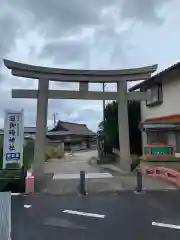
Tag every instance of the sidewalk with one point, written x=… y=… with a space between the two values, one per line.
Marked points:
x=113 y=168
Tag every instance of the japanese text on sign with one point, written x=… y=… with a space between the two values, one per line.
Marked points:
x=12 y=132
x=13 y=137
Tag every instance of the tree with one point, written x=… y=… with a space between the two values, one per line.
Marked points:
x=100 y=126
x=110 y=127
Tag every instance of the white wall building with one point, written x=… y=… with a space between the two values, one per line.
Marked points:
x=160 y=116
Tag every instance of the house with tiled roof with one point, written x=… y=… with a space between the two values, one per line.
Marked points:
x=74 y=135
x=160 y=115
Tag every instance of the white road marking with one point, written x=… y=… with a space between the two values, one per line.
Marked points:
x=15 y=194
x=84 y=214
x=165 y=225
x=27 y=206
x=77 y=176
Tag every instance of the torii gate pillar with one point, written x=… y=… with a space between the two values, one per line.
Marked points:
x=41 y=130
x=123 y=126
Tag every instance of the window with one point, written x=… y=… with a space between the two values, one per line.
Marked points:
x=156 y=95
x=155 y=137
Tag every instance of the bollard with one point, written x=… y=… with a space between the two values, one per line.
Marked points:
x=29 y=184
x=82 y=183
x=23 y=174
x=139 y=181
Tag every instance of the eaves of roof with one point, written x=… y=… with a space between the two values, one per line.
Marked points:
x=156 y=78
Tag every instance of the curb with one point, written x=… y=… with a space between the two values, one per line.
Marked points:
x=109 y=170
x=91 y=163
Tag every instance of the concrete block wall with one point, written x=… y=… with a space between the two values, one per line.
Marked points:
x=55 y=149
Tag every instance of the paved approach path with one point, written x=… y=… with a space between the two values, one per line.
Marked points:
x=126 y=216
x=72 y=164
x=66 y=176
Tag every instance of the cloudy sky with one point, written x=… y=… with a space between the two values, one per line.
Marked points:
x=85 y=34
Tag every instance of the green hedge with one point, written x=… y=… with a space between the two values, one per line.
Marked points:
x=12 y=170
x=28 y=154
x=1 y=152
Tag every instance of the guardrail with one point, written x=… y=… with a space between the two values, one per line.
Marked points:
x=168 y=174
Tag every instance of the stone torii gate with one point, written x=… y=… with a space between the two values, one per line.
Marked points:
x=84 y=77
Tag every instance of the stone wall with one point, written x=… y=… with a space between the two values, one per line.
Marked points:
x=55 y=149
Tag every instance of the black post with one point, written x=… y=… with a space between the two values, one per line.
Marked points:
x=23 y=174
x=139 y=180
x=82 y=183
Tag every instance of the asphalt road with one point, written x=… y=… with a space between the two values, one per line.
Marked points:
x=126 y=216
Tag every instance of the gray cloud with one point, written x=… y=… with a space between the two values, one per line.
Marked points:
x=8 y=103
x=108 y=44
x=87 y=115
x=66 y=51
x=143 y=10
x=59 y=17
x=54 y=21
x=63 y=17
x=9 y=27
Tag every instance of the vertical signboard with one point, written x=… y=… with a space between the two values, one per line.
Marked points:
x=13 y=137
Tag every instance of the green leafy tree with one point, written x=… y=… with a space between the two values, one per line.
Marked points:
x=110 y=127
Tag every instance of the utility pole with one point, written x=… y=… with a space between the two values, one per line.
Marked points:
x=54 y=118
x=104 y=103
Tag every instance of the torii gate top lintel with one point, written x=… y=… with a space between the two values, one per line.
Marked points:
x=73 y=75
